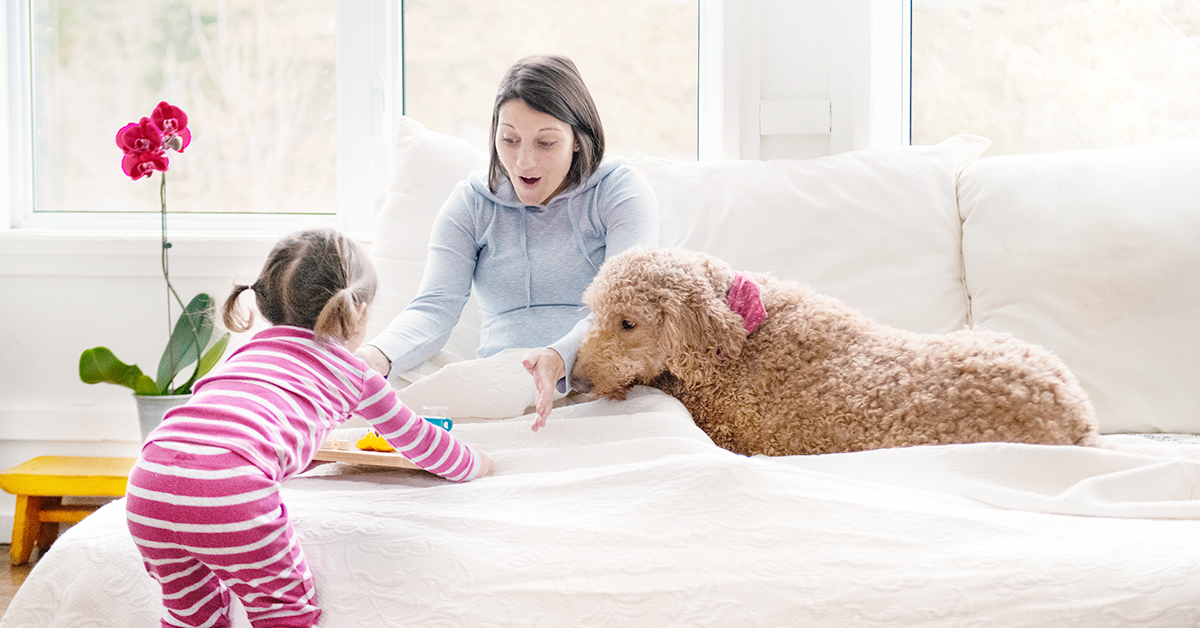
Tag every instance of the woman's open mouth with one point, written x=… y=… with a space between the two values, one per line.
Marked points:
x=530 y=181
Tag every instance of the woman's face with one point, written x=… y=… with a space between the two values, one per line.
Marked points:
x=535 y=149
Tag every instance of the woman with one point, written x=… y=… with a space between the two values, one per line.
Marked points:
x=530 y=237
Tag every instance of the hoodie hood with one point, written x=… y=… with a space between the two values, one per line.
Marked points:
x=507 y=196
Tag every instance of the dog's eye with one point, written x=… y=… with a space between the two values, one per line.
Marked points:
x=628 y=325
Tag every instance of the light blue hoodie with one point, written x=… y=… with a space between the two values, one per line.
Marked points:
x=529 y=264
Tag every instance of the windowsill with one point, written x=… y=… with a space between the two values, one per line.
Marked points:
x=75 y=251
x=104 y=222
x=71 y=229
x=112 y=241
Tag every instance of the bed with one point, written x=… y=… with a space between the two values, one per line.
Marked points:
x=623 y=513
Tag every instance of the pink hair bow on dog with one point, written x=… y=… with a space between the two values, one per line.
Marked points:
x=745 y=299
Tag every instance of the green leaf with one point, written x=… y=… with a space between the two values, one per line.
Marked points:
x=210 y=359
x=146 y=387
x=192 y=331
x=212 y=356
x=98 y=365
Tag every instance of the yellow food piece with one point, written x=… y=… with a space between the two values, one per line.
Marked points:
x=374 y=442
x=381 y=444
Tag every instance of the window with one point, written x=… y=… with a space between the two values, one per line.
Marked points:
x=258 y=79
x=1036 y=76
x=292 y=102
x=638 y=57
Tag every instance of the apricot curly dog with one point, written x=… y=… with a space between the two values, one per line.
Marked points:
x=813 y=376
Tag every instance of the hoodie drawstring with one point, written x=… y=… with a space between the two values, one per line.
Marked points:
x=528 y=262
x=579 y=233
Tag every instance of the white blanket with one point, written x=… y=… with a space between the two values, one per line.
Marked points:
x=624 y=514
x=1123 y=479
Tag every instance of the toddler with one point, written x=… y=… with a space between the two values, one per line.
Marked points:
x=203 y=502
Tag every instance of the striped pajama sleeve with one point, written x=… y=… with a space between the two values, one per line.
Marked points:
x=426 y=445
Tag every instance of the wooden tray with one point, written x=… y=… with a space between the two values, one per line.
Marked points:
x=358 y=456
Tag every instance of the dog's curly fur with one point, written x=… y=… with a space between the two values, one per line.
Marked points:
x=816 y=376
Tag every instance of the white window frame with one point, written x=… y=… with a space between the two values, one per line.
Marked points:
x=869 y=93
x=369 y=92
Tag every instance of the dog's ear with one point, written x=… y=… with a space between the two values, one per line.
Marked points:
x=699 y=330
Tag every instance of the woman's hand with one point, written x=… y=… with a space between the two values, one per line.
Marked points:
x=546 y=367
x=375 y=359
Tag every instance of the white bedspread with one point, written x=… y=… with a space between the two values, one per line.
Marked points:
x=625 y=515
x=1136 y=478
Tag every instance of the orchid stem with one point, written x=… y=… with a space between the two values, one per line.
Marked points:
x=162 y=194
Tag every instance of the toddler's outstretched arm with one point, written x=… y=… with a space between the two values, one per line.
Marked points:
x=426 y=445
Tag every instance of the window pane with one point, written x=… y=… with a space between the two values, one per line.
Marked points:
x=638 y=57
x=256 y=78
x=1036 y=76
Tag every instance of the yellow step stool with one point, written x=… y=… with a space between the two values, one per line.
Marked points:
x=41 y=483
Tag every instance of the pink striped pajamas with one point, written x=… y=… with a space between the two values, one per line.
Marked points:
x=203 y=502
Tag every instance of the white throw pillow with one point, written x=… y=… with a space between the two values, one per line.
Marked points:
x=878 y=229
x=427 y=167
x=1093 y=254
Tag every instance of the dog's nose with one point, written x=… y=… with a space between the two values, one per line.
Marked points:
x=580 y=382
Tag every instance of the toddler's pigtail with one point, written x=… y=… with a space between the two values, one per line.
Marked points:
x=236 y=318
x=339 y=319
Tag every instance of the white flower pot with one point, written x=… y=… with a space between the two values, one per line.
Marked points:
x=152 y=407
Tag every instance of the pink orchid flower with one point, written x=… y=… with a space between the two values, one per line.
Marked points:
x=139 y=165
x=145 y=142
x=172 y=121
x=142 y=144
x=139 y=137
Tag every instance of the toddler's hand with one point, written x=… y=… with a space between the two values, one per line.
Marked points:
x=485 y=464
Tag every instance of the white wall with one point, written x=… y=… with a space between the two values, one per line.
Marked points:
x=779 y=78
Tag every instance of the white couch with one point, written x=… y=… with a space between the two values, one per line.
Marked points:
x=626 y=514
x=1091 y=254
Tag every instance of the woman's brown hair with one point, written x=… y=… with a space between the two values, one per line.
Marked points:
x=318 y=279
x=552 y=85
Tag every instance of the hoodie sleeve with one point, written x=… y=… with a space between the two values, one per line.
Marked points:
x=628 y=209
x=425 y=325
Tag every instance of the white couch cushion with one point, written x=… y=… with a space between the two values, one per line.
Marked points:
x=428 y=165
x=877 y=229
x=1093 y=254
